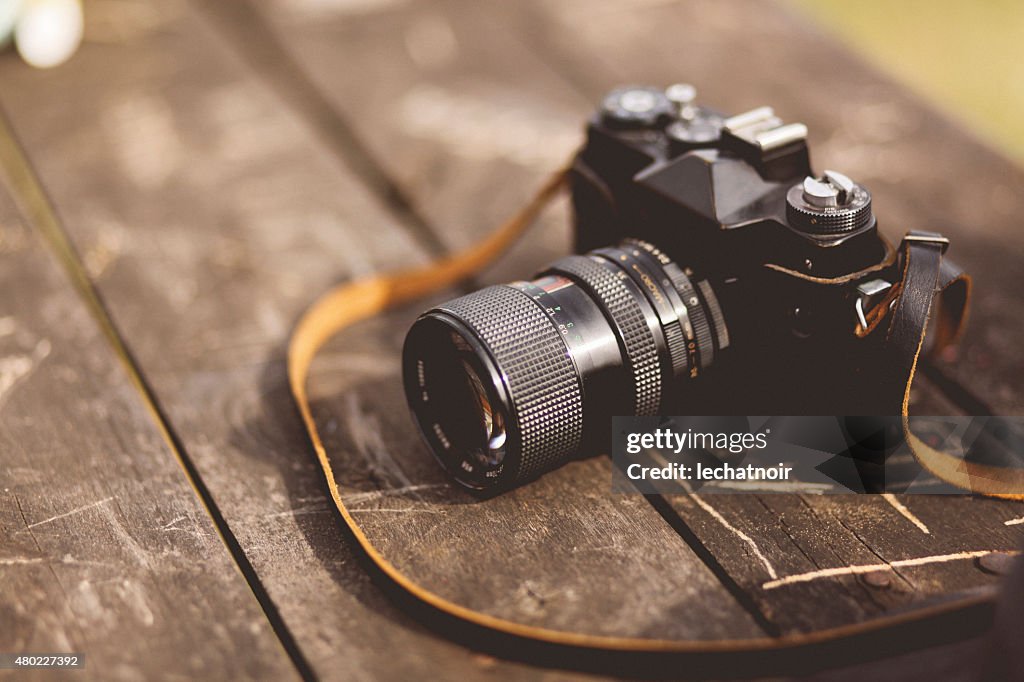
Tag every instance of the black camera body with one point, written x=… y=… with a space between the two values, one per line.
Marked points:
x=723 y=197
x=714 y=274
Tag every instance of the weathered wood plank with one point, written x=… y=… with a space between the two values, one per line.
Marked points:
x=792 y=537
x=466 y=119
x=106 y=548
x=212 y=251
x=442 y=118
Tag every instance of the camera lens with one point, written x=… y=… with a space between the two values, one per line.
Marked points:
x=513 y=380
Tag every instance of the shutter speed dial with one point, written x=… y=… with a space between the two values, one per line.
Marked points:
x=829 y=207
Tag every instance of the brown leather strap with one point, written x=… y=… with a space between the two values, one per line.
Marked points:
x=928 y=277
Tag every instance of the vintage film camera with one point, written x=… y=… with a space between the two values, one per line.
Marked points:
x=718 y=275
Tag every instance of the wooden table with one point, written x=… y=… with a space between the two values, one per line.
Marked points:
x=181 y=190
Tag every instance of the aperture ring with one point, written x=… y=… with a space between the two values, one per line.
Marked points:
x=543 y=382
x=613 y=293
x=698 y=319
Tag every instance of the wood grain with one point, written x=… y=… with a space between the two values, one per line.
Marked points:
x=104 y=540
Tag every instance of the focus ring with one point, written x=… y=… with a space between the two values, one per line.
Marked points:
x=543 y=383
x=614 y=296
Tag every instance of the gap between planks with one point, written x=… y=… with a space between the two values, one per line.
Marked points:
x=32 y=201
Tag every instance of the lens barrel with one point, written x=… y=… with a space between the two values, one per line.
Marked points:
x=513 y=380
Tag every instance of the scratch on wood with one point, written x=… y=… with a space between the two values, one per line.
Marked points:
x=870 y=568
x=301 y=511
x=69 y=513
x=600 y=548
x=410 y=510
x=17 y=561
x=759 y=486
x=740 y=534
x=170 y=525
x=20 y=560
x=1014 y=522
x=356 y=498
x=902 y=509
x=129 y=542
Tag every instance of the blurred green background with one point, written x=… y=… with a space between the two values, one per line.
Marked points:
x=966 y=57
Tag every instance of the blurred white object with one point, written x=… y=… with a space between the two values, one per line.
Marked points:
x=9 y=11
x=46 y=32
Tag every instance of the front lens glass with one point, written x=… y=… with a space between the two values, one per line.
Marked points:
x=471 y=420
x=457 y=404
x=485 y=425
